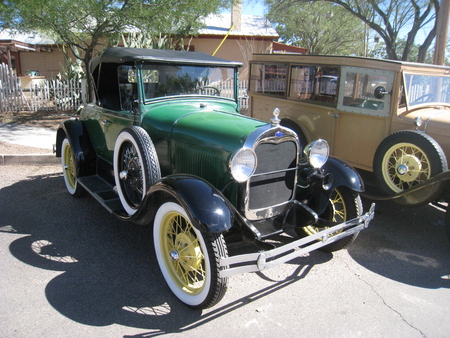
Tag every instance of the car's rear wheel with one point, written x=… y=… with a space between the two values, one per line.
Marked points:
x=188 y=259
x=407 y=158
x=70 y=170
x=136 y=167
x=343 y=205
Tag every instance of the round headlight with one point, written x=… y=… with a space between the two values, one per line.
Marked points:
x=317 y=153
x=243 y=164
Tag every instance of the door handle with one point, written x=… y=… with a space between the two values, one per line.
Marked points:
x=106 y=121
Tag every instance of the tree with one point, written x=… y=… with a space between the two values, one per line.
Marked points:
x=390 y=18
x=321 y=27
x=85 y=26
x=378 y=51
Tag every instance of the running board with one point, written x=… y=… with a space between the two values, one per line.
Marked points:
x=103 y=192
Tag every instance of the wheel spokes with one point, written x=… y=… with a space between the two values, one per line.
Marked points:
x=185 y=256
x=69 y=166
x=133 y=183
x=338 y=213
x=407 y=166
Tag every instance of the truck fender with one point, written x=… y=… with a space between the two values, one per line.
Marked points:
x=206 y=206
x=76 y=133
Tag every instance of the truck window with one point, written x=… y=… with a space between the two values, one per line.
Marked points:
x=358 y=89
x=268 y=78
x=314 y=83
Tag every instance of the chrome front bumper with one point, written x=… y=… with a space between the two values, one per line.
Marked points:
x=263 y=260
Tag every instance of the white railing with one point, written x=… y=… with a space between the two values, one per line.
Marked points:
x=39 y=95
x=57 y=95
x=417 y=91
x=11 y=94
x=226 y=90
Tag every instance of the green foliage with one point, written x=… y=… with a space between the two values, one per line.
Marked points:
x=378 y=51
x=321 y=27
x=71 y=69
x=86 y=26
x=147 y=40
x=391 y=19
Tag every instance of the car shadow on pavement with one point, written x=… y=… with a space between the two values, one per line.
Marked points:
x=405 y=244
x=109 y=273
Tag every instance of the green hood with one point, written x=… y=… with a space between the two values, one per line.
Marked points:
x=202 y=136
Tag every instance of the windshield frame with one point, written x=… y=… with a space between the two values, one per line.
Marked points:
x=432 y=93
x=192 y=80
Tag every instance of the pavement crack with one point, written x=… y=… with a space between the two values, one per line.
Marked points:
x=385 y=303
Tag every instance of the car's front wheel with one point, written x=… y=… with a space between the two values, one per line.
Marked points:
x=343 y=205
x=407 y=158
x=188 y=259
x=447 y=223
x=136 y=167
x=70 y=170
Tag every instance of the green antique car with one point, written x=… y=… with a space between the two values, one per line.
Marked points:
x=164 y=145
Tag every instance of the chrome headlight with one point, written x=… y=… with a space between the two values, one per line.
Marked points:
x=243 y=164
x=317 y=153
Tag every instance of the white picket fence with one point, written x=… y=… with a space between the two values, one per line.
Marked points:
x=11 y=94
x=40 y=95
x=57 y=95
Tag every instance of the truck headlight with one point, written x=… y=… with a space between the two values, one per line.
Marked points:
x=317 y=153
x=243 y=164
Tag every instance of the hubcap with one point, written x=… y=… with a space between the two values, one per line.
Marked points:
x=408 y=168
x=123 y=175
x=402 y=169
x=174 y=255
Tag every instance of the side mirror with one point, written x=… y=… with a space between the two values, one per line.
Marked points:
x=379 y=92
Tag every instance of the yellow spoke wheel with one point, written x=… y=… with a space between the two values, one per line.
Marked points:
x=407 y=158
x=343 y=205
x=405 y=165
x=189 y=259
x=70 y=170
x=182 y=253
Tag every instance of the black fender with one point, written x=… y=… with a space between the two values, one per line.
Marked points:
x=344 y=175
x=78 y=136
x=206 y=206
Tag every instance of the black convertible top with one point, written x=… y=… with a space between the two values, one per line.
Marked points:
x=123 y=55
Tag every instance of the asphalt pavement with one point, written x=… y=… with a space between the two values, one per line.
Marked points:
x=70 y=269
x=31 y=137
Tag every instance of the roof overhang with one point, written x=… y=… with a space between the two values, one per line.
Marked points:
x=17 y=46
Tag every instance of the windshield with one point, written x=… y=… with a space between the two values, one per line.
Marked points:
x=170 y=80
x=421 y=89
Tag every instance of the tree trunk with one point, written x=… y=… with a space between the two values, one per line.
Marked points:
x=90 y=80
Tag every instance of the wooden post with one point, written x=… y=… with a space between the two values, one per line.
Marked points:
x=442 y=33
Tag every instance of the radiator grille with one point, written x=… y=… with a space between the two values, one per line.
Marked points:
x=276 y=188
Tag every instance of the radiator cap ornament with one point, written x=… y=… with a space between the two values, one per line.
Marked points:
x=275 y=120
